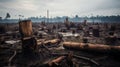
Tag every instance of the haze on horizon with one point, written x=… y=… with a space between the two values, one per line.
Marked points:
x=70 y=8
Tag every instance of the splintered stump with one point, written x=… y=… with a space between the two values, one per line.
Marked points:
x=28 y=42
x=92 y=47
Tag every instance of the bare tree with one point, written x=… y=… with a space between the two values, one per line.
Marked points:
x=7 y=16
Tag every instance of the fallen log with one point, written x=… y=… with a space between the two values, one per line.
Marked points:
x=56 y=61
x=78 y=57
x=49 y=42
x=91 y=47
x=52 y=63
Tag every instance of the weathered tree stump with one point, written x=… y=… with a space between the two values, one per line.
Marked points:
x=25 y=28
x=29 y=42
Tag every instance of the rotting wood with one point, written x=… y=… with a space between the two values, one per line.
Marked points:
x=91 y=47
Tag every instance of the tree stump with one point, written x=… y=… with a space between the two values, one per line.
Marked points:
x=96 y=33
x=25 y=28
x=29 y=42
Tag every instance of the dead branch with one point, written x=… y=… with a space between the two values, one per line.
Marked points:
x=46 y=48
x=79 y=57
x=56 y=61
x=10 y=59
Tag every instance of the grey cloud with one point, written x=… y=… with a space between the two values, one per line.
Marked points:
x=60 y=7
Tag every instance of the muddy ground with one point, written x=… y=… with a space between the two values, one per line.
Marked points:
x=11 y=47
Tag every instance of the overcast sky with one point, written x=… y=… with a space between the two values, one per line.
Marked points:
x=59 y=7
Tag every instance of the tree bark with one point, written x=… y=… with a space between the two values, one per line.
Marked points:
x=91 y=47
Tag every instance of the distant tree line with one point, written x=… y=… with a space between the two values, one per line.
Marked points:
x=80 y=19
x=76 y=18
x=107 y=18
